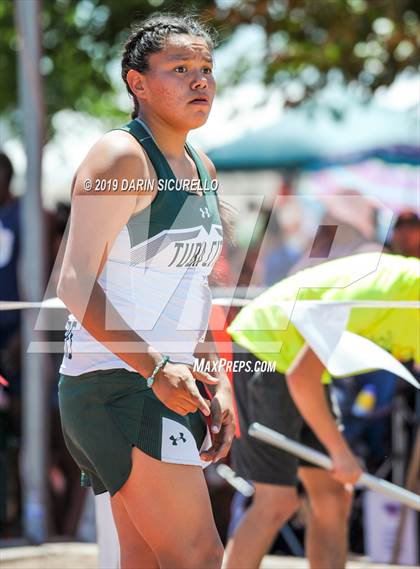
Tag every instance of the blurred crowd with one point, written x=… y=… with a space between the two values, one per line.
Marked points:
x=269 y=244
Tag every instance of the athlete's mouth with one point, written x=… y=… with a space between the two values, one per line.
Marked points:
x=203 y=100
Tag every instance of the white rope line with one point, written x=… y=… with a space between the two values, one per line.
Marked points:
x=238 y=302
x=350 y=303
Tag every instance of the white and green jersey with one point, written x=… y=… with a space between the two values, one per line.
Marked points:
x=156 y=274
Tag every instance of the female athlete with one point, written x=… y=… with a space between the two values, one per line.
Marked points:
x=135 y=280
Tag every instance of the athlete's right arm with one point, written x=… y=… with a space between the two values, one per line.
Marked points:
x=95 y=221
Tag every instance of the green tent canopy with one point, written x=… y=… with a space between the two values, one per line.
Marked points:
x=304 y=137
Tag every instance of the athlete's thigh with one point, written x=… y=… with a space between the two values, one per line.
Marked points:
x=132 y=543
x=168 y=503
x=327 y=496
x=318 y=480
x=273 y=497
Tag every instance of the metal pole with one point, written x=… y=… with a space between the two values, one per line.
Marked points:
x=280 y=441
x=246 y=489
x=32 y=276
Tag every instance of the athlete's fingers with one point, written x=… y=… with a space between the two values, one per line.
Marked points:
x=187 y=404
x=346 y=477
x=228 y=435
x=213 y=454
x=221 y=443
x=346 y=469
x=224 y=441
x=204 y=376
x=216 y=415
x=182 y=408
x=196 y=398
x=207 y=455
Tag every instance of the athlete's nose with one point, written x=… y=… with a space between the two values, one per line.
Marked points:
x=200 y=82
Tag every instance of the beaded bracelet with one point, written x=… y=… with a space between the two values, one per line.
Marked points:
x=151 y=379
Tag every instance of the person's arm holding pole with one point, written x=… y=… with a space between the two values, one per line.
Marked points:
x=304 y=383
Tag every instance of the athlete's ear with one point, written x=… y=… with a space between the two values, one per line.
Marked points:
x=136 y=82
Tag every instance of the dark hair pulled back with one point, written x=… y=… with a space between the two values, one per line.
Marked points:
x=149 y=37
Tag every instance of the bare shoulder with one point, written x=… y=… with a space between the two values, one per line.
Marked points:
x=207 y=163
x=114 y=146
x=116 y=155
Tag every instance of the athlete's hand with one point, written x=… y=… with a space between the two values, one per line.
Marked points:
x=175 y=386
x=222 y=426
x=346 y=469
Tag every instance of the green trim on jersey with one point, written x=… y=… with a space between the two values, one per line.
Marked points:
x=172 y=210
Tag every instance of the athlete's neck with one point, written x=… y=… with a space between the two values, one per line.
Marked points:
x=170 y=141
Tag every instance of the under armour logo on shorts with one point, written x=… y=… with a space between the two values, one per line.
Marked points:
x=176 y=439
x=204 y=212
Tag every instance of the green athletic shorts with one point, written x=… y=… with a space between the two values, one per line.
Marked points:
x=105 y=413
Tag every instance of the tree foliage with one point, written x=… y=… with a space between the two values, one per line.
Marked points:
x=369 y=41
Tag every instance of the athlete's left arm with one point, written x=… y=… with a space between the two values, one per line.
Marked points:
x=222 y=414
x=221 y=405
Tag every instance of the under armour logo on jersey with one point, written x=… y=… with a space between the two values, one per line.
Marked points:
x=204 y=212
x=176 y=439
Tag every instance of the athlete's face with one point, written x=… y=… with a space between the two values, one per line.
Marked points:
x=178 y=75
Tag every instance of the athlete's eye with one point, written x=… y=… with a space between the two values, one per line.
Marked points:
x=207 y=70
x=180 y=67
